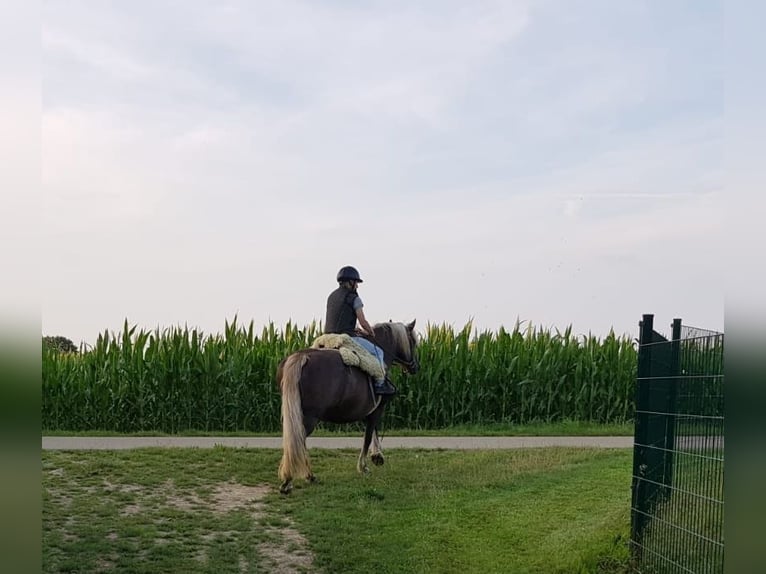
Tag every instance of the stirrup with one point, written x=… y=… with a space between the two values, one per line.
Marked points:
x=384 y=387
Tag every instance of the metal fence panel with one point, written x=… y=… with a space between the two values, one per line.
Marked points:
x=677 y=505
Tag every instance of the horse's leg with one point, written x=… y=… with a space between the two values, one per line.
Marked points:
x=309 y=423
x=374 y=419
x=377 y=451
x=361 y=465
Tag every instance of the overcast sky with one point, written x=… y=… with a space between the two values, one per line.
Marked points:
x=559 y=162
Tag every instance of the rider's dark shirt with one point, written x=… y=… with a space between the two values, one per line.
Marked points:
x=341 y=315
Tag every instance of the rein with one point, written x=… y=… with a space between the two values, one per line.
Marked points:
x=409 y=365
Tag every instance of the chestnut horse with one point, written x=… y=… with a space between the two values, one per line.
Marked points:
x=317 y=386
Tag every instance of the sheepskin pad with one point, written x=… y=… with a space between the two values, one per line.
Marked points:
x=352 y=353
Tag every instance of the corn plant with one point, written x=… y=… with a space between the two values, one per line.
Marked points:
x=180 y=379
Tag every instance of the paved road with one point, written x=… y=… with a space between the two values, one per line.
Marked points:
x=431 y=442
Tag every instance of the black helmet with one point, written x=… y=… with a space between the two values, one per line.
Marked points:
x=348 y=273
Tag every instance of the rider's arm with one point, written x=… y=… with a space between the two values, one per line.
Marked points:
x=363 y=321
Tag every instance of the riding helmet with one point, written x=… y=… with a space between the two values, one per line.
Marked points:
x=348 y=273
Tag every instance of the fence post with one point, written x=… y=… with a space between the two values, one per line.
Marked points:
x=673 y=381
x=639 y=486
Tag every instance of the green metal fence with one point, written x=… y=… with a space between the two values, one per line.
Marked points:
x=677 y=504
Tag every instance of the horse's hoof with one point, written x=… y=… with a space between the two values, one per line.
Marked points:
x=286 y=488
x=378 y=460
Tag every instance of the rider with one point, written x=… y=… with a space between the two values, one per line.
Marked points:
x=344 y=308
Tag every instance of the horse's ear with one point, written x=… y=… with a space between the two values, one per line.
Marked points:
x=411 y=326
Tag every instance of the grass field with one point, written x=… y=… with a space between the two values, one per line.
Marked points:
x=217 y=510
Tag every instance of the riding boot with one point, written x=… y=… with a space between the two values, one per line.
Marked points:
x=384 y=387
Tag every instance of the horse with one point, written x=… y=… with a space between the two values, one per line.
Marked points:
x=317 y=386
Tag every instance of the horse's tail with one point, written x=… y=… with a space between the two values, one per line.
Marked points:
x=295 y=454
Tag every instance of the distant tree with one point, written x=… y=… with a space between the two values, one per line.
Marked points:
x=59 y=343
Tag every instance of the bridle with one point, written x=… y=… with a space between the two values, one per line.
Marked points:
x=410 y=366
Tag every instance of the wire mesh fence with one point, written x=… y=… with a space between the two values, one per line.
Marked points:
x=677 y=508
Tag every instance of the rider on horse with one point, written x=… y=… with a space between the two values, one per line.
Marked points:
x=344 y=308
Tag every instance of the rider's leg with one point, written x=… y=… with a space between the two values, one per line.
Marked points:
x=382 y=386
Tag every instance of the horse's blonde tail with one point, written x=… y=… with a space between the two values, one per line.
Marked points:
x=295 y=456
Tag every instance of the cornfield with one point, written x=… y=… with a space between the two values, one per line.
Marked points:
x=179 y=379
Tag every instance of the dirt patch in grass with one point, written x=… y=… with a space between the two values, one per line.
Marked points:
x=287 y=549
x=182 y=500
x=269 y=538
x=230 y=496
x=290 y=555
x=130 y=510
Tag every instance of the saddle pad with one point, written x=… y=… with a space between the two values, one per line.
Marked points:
x=352 y=353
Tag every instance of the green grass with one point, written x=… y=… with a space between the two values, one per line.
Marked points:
x=564 y=428
x=187 y=510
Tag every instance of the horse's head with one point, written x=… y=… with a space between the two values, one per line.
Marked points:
x=399 y=341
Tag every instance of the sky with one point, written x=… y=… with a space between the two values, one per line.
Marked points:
x=553 y=162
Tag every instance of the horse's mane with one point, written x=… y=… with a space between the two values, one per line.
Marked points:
x=399 y=333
